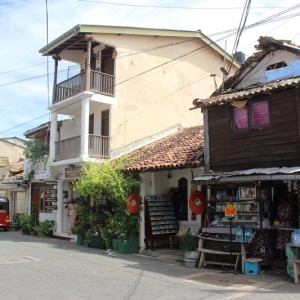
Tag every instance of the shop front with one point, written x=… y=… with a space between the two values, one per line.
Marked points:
x=266 y=214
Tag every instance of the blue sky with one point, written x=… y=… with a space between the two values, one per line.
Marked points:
x=25 y=89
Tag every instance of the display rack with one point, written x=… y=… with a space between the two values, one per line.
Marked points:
x=243 y=198
x=160 y=218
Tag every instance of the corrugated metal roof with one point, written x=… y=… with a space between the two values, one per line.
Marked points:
x=248 y=93
x=249 y=174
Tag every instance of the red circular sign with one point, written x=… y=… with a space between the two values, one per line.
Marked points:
x=197 y=202
x=133 y=203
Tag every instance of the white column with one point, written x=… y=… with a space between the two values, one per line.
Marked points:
x=143 y=191
x=53 y=136
x=59 y=216
x=85 y=109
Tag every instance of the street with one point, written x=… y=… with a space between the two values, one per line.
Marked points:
x=43 y=268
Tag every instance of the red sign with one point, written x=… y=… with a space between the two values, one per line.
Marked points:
x=230 y=211
x=133 y=203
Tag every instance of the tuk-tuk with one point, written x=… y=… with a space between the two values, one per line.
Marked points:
x=4 y=213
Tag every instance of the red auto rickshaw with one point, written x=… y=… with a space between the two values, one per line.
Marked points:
x=4 y=213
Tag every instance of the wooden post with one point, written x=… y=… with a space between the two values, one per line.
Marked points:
x=56 y=59
x=89 y=39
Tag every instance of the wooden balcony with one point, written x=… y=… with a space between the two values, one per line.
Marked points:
x=100 y=83
x=98 y=147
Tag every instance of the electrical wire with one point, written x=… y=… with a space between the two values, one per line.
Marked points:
x=174 y=7
x=47 y=37
x=239 y=32
x=7 y=3
x=65 y=70
x=272 y=18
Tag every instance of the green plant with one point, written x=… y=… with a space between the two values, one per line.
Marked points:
x=35 y=150
x=89 y=237
x=108 y=181
x=44 y=228
x=122 y=224
x=26 y=223
x=107 y=237
x=189 y=242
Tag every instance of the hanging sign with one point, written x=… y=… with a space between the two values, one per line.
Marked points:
x=230 y=211
x=133 y=203
x=197 y=202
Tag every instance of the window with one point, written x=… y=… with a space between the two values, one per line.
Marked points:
x=241 y=117
x=252 y=115
x=277 y=65
x=91 y=124
x=260 y=113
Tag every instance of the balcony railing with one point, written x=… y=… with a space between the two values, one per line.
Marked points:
x=98 y=147
x=99 y=83
x=69 y=148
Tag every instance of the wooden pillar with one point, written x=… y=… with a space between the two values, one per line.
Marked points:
x=89 y=40
x=56 y=59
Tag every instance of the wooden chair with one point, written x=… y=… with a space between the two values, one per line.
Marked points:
x=174 y=239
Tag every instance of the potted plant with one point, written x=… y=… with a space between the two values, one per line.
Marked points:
x=44 y=228
x=124 y=228
x=189 y=243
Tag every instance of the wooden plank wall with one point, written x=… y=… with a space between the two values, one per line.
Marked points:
x=274 y=146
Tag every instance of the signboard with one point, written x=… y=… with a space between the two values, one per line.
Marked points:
x=230 y=211
x=50 y=194
x=73 y=172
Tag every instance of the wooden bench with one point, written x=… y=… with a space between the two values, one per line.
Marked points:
x=203 y=262
x=296 y=263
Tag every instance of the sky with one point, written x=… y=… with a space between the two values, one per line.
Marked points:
x=27 y=25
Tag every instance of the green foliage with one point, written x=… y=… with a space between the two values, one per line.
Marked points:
x=26 y=222
x=189 y=242
x=44 y=228
x=35 y=150
x=107 y=181
x=122 y=224
x=107 y=237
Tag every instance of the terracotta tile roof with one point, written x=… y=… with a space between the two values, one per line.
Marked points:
x=16 y=168
x=179 y=150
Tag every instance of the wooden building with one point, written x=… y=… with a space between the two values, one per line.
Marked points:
x=252 y=146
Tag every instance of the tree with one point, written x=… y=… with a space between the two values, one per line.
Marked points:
x=109 y=181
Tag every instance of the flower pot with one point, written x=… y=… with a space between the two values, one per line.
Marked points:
x=115 y=244
x=190 y=262
x=191 y=254
x=190 y=258
x=131 y=246
x=97 y=242
x=80 y=239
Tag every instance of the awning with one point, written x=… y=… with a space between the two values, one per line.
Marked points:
x=259 y=174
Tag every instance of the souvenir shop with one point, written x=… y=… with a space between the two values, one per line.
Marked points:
x=258 y=213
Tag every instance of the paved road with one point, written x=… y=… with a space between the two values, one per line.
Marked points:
x=37 y=269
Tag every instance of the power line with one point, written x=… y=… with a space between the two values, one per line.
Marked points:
x=118 y=83
x=7 y=3
x=176 y=7
x=273 y=18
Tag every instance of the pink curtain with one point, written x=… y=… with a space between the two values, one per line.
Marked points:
x=260 y=113
x=241 y=117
